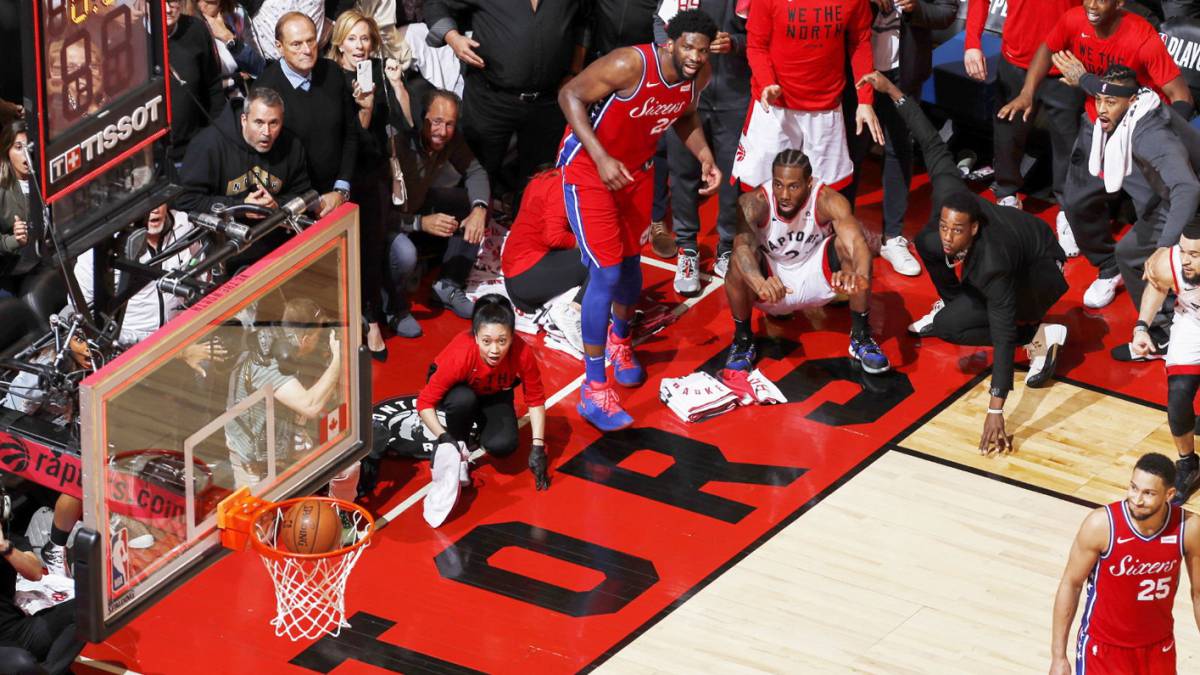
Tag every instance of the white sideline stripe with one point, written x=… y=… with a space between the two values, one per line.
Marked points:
x=558 y=395
x=106 y=667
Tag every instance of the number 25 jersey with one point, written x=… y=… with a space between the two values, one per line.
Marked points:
x=1131 y=590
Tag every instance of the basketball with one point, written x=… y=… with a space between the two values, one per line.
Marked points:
x=311 y=526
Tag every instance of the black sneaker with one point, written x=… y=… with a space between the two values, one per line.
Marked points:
x=1187 y=474
x=1158 y=336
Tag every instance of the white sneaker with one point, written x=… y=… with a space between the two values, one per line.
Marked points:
x=54 y=557
x=1043 y=353
x=1066 y=238
x=1011 y=200
x=895 y=251
x=687 y=273
x=464 y=468
x=1102 y=292
x=569 y=320
x=722 y=265
x=924 y=325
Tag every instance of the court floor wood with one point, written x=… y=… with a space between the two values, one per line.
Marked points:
x=910 y=567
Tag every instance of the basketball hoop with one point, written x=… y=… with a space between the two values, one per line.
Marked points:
x=310 y=588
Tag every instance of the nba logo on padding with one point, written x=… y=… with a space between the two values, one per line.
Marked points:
x=119 y=559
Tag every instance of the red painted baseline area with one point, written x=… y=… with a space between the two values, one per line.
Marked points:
x=519 y=581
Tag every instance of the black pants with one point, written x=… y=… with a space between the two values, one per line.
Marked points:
x=495 y=415
x=1087 y=204
x=662 y=179
x=372 y=195
x=1063 y=105
x=49 y=636
x=723 y=129
x=491 y=117
x=897 y=161
x=964 y=319
x=556 y=273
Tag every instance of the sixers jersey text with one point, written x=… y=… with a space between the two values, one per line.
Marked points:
x=629 y=128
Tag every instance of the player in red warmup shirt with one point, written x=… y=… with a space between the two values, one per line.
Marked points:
x=1128 y=554
x=616 y=109
x=797 y=51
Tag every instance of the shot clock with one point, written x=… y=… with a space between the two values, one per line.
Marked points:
x=96 y=98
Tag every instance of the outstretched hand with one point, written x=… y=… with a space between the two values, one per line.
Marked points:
x=537 y=466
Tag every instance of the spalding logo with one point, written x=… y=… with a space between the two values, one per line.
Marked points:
x=14 y=453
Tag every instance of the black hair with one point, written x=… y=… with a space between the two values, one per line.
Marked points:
x=1119 y=73
x=1192 y=229
x=493 y=308
x=692 y=21
x=265 y=95
x=964 y=202
x=1157 y=464
x=8 y=138
x=445 y=94
x=792 y=157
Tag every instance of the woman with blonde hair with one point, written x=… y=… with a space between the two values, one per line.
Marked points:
x=356 y=40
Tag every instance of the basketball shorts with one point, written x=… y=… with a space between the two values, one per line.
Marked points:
x=1183 y=352
x=608 y=225
x=820 y=135
x=807 y=281
x=1097 y=658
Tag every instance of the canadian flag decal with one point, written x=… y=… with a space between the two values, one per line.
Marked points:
x=334 y=423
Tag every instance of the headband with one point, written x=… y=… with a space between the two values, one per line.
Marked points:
x=1094 y=86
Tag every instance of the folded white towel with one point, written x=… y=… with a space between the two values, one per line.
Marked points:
x=1111 y=156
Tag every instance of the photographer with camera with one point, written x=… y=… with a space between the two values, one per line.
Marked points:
x=275 y=357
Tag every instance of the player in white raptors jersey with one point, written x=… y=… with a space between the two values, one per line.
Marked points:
x=1177 y=269
x=797 y=245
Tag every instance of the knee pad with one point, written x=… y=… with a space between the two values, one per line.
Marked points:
x=1181 y=406
x=597 y=302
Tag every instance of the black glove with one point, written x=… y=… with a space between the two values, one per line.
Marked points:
x=537 y=465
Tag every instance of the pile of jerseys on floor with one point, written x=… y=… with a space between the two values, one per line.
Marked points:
x=699 y=396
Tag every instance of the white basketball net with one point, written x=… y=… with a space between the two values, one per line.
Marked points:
x=310 y=593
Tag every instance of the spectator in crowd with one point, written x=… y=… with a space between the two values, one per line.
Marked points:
x=472 y=382
x=197 y=94
x=275 y=357
x=902 y=45
x=230 y=28
x=997 y=271
x=1099 y=35
x=515 y=59
x=265 y=23
x=246 y=157
x=1163 y=151
x=356 y=40
x=17 y=255
x=798 y=71
x=541 y=258
x=48 y=638
x=1026 y=26
x=445 y=211
x=149 y=308
x=722 y=108
x=321 y=108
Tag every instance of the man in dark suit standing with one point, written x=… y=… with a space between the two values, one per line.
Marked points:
x=997 y=270
x=902 y=44
x=320 y=108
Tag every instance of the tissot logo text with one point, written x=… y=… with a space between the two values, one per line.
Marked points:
x=104 y=140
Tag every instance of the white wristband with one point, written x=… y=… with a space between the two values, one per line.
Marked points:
x=995 y=411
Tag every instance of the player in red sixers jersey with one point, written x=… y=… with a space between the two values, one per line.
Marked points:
x=1128 y=554
x=634 y=94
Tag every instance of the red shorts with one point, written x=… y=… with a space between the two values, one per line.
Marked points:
x=1097 y=658
x=608 y=225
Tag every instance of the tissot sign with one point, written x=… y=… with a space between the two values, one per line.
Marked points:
x=130 y=128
